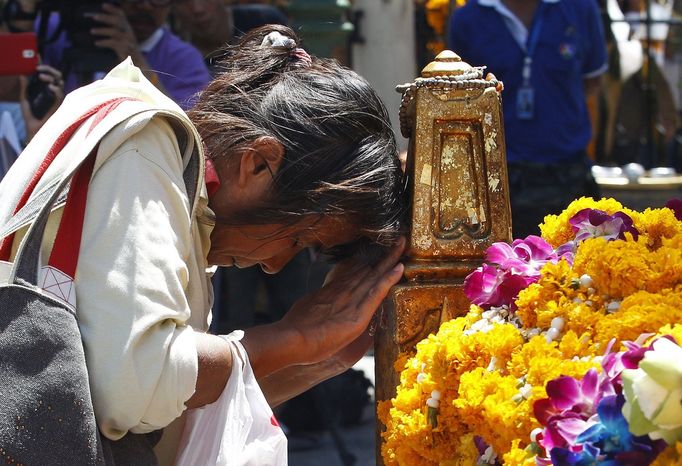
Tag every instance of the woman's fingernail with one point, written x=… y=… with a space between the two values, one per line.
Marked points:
x=398 y=268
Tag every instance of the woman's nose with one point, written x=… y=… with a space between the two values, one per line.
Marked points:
x=277 y=263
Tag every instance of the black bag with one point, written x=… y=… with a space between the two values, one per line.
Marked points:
x=46 y=411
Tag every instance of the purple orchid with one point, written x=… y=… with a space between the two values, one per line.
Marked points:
x=489 y=286
x=510 y=269
x=614 y=363
x=587 y=456
x=481 y=445
x=567 y=251
x=578 y=396
x=583 y=421
x=611 y=436
x=523 y=256
x=676 y=206
x=593 y=223
x=567 y=411
x=635 y=351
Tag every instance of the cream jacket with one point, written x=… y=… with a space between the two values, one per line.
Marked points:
x=141 y=282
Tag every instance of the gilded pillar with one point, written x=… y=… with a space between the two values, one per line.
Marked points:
x=459 y=199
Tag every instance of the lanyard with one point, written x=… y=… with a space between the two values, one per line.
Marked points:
x=532 y=43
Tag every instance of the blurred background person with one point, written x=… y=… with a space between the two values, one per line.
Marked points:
x=550 y=54
x=94 y=37
x=25 y=103
x=210 y=24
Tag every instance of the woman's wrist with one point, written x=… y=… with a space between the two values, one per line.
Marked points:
x=283 y=385
x=272 y=347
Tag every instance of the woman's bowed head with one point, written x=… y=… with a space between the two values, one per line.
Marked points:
x=306 y=157
x=304 y=152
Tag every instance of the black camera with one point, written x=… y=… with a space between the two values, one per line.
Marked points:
x=39 y=96
x=84 y=57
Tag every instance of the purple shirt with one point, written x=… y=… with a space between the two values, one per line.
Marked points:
x=179 y=66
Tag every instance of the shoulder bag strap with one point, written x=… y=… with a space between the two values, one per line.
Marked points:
x=60 y=142
x=64 y=256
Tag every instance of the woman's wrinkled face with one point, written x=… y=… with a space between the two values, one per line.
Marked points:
x=273 y=246
x=245 y=180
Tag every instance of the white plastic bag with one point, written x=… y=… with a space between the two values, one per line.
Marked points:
x=239 y=429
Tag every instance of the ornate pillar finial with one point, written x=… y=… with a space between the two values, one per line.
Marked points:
x=446 y=63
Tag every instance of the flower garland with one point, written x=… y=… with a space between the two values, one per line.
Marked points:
x=569 y=353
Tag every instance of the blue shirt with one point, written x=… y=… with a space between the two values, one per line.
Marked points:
x=570 y=47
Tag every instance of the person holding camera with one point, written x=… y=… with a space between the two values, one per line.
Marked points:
x=30 y=100
x=121 y=28
x=136 y=29
x=40 y=96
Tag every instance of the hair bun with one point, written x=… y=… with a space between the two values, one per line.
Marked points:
x=277 y=39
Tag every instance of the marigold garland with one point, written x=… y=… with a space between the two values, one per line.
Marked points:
x=672 y=456
x=556 y=229
x=484 y=372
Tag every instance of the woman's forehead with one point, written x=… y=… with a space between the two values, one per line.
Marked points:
x=328 y=231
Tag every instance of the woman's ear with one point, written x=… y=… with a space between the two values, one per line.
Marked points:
x=259 y=162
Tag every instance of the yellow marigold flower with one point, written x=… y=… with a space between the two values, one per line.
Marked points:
x=527 y=304
x=572 y=368
x=639 y=313
x=489 y=379
x=671 y=456
x=466 y=454
x=538 y=349
x=656 y=224
x=540 y=361
x=674 y=242
x=621 y=268
x=534 y=350
x=400 y=426
x=401 y=361
x=554 y=284
x=438 y=368
x=518 y=456
x=572 y=345
x=580 y=317
x=383 y=409
x=477 y=349
x=486 y=404
x=675 y=330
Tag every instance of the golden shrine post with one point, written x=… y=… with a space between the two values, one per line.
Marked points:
x=459 y=199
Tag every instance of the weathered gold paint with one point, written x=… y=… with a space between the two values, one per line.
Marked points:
x=459 y=206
